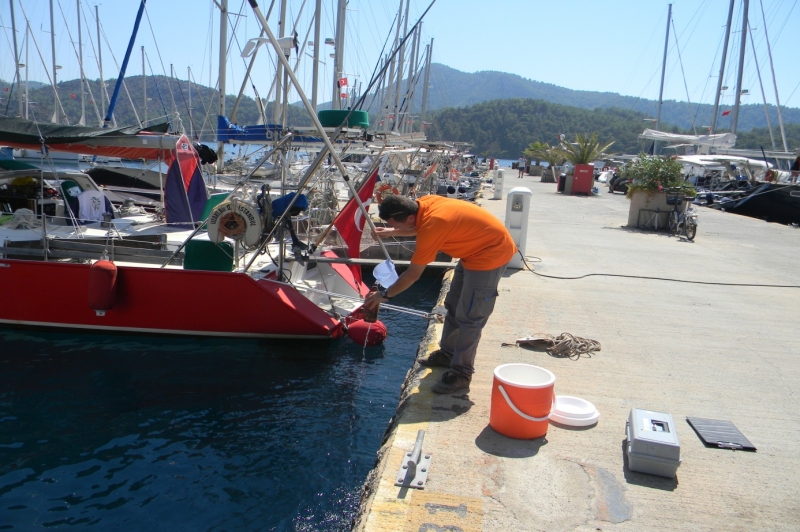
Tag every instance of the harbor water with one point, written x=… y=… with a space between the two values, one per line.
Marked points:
x=160 y=433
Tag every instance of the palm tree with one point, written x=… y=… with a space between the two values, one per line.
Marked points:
x=584 y=150
x=552 y=155
x=535 y=151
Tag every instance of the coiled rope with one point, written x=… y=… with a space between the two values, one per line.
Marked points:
x=565 y=345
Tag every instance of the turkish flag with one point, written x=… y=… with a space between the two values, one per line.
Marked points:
x=343 y=82
x=350 y=222
x=72 y=96
x=726 y=113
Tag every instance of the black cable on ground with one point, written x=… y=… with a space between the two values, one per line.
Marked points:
x=649 y=278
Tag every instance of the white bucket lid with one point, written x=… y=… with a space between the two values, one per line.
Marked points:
x=574 y=411
x=524 y=376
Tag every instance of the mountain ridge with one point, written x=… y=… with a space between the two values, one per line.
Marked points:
x=454 y=88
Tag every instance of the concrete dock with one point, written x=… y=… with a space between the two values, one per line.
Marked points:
x=711 y=351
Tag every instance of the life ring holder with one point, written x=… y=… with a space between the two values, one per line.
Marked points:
x=237 y=219
x=384 y=188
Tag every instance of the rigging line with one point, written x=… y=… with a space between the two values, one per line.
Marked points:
x=97 y=62
x=16 y=70
x=124 y=85
x=186 y=104
x=709 y=77
x=47 y=73
x=158 y=90
x=683 y=73
x=641 y=56
x=761 y=85
x=380 y=58
x=84 y=81
x=375 y=78
x=163 y=68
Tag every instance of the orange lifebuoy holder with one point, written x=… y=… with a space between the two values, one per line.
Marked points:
x=384 y=188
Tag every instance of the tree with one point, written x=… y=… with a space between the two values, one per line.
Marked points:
x=535 y=151
x=553 y=156
x=584 y=150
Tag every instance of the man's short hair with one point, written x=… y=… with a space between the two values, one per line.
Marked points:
x=397 y=207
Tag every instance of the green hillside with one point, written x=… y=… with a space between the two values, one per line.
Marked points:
x=453 y=88
x=503 y=128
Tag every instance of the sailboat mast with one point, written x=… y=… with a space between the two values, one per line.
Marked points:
x=276 y=108
x=189 y=85
x=100 y=60
x=82 y=121
x=411 y=68
x=55 y=119
x=400 y=59
x=390 y=81
x=663 y=72
x=774 y=81
x=16 y=57
x=223 y=40
x=317 y=46
x=144 y=90
x=425 y=86
x=113 y=102
x=27 y=48
x=338 y=60
x=742 y=44
x=722 y=68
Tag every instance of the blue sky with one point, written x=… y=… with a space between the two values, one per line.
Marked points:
x=600 y=45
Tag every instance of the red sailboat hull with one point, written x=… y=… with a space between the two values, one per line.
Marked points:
x=163 y=301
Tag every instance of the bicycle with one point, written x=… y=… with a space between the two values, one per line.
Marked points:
x=680 y=219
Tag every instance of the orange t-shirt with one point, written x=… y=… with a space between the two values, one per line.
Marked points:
x=462 y=230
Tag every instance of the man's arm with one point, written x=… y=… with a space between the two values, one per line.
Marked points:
x=387 y=232
x=406 y=279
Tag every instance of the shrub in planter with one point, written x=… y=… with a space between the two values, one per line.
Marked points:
x=652 y=174
x=653 y=177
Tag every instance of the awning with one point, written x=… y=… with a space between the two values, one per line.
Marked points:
x=722 y=140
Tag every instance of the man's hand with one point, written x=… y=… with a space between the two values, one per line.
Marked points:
x=373 y=300
x=383 y=232
x=389 y=232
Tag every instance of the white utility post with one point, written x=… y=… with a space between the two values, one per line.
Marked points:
x=497 y=183
x=518 y=206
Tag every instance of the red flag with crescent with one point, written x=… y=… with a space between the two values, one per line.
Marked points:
x=350 y=222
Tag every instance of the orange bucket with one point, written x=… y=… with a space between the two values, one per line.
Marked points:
x=522 y=399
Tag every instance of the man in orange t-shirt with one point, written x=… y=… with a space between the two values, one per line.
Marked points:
x=465 y=231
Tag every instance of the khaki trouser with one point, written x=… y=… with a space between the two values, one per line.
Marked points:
x=469 y=304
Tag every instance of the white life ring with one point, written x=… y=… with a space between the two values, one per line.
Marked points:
x=235 y=218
